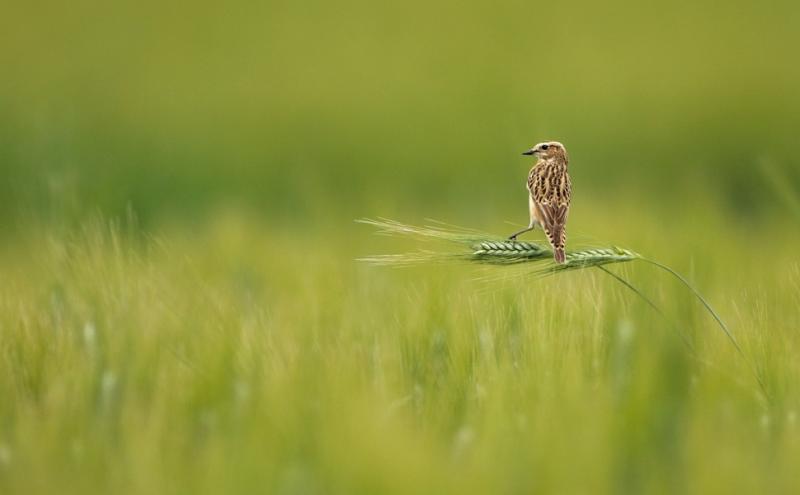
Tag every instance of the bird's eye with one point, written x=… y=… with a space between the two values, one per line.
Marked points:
x=545 y=146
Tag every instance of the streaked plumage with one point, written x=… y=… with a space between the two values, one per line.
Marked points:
x=550 y=193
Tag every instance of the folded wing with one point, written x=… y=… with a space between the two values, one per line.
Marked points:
x=551 y=193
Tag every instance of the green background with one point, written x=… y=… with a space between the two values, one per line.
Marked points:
x=181 y=312
x=316 y=112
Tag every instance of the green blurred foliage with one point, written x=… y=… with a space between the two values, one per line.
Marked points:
x=316 y=111
x=221 y=339
x=242 y=360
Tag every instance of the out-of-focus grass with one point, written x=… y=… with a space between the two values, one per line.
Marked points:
x=229 y=343
x=306 y=111
x=237 y=358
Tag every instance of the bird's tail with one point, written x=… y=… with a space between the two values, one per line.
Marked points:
x=558 y=239
x=559 y=255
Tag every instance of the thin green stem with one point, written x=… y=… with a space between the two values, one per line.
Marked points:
x=674 y=327
x=713 y=313
x=652 y=305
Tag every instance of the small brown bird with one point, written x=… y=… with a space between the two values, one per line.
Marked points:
x=550 y=193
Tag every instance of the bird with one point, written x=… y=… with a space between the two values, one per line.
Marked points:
x=550 y=192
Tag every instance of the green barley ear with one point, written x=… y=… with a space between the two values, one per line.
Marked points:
x=485 y=248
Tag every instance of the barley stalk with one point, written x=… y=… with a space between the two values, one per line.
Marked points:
x=484 y=248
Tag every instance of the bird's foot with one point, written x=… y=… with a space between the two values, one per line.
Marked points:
x=512 y=238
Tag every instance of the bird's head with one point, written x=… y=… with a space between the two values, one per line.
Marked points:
x=548 y=150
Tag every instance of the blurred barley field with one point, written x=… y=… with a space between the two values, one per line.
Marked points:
x=181 y=310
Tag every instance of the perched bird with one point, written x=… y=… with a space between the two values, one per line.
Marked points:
x=550 y=192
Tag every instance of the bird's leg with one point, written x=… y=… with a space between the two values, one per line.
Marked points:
x=513 y=237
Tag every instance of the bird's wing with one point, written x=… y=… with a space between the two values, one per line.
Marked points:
x=551 y=192
x=554 y=220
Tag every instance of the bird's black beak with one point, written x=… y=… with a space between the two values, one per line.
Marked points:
x=529 y=152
